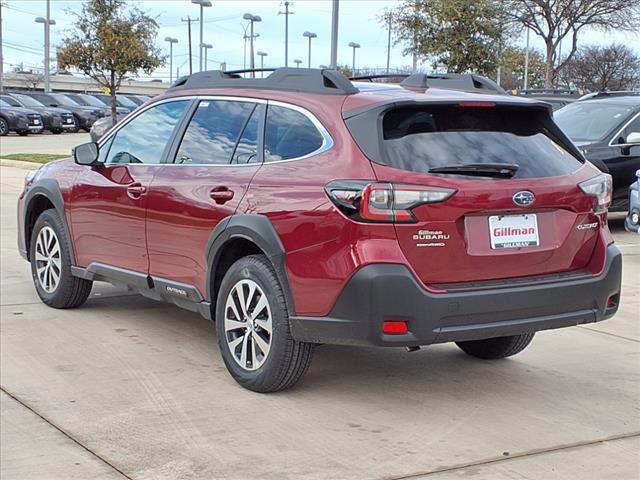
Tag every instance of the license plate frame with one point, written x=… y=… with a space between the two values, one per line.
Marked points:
x=513 y=231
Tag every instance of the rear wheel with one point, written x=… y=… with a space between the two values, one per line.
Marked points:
x=252 y=323
x=499 y=347
x=51 y=264
x=4 y=127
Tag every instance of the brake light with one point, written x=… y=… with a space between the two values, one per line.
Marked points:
x=477 y=104
x=600 y=187
x=383 y=202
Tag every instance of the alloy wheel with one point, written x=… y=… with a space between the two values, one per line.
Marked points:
x=248 y=324
x=48 y=259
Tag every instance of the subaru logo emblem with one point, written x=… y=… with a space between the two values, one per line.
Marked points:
x=524 y=198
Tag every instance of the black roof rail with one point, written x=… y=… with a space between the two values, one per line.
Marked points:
x=549 y=91
x=309 y=80
x=371 y=78
x=469 y=82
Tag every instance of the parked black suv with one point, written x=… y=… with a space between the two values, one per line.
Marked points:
x=557 y=97
x=84 y=116
x=87 y=100
x=17 y=119
x=56 y=120
x=607 y=130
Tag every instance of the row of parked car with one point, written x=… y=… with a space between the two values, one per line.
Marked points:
x=34 y=112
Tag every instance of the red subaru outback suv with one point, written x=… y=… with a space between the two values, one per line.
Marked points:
x=303 y=209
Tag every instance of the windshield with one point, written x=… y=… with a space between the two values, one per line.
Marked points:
x=126 y=102
x=28 y=101
x=422 y=139
x=10 y=101
x=91 y=100
x=64 y=100
x=591 y=121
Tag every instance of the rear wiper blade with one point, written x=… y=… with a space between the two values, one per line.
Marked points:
x=505 y=170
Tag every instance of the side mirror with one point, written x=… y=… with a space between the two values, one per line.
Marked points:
x=633 y=137
x=86 y=154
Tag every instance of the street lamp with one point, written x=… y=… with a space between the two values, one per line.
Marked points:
x=47 y=23
x=253 y=19
x=309 y=35
x=171 y=41
x=354 y=45
x=297 y=61
x=262 y=55
x=205 y=47
x=203 y=4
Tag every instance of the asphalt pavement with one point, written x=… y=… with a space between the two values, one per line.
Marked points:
x=125 y=387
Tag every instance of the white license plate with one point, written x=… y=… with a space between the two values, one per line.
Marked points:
x=514 y=231
x=36 y=122
x=68 y=120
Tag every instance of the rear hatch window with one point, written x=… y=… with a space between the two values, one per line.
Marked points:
x=425 y=138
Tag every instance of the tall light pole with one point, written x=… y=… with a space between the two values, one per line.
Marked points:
x=252 y=19
x=354 y=45
x=205 y=47
x=389 y=18
x=1 y=58
x=47 y=24
x=203 y=4
x=171 y=41
x=526 y=62
x=334 y=34
x=309 y=35
x=286 y=14
x=297 y=62
x=262 y=55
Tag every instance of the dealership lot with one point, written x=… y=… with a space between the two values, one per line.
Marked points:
x=128 y=388
x=43 y=143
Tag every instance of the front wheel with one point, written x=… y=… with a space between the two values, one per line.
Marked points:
x=4 y=127
x=252 y=323
x=495 y=348
x=51 y=264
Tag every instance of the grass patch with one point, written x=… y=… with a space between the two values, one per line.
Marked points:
x=34 y=157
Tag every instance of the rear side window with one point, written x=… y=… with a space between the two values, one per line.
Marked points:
x=213 y=132
x=289 y=134
x=421 y=138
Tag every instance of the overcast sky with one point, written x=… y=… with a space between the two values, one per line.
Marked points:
x=224 y=28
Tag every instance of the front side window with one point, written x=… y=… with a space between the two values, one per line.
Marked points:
x=289 y=134
x=247 y=148
x=144 y=139
x=633 y=127
x=213 y=132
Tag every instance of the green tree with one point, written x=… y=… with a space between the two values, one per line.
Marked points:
x=461 y=35
x=110 y=42
x=556 y=20
x=512 y=62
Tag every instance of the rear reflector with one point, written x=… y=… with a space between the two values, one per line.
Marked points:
x=393 y=327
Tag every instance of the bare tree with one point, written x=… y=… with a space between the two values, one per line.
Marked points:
x=614 y=67
x=556 y=20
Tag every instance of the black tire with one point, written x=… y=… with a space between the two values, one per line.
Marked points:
x=56 y=131
x=4 y=127
x=495 y=348
x=70 y=291
x=23 y=133
x=287 y=360
x=86 y=129
x=74 y=130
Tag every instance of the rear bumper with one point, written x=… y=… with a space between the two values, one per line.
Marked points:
x=382 y=292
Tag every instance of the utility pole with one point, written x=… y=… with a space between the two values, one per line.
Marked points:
x=189 y=21
x=286 y=14
x=334 y=35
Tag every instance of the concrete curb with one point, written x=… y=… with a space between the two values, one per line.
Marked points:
x=5 y=162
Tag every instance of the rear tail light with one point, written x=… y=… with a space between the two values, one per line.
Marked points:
x=394 y=327
x=600 y=188
x=383 y=202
